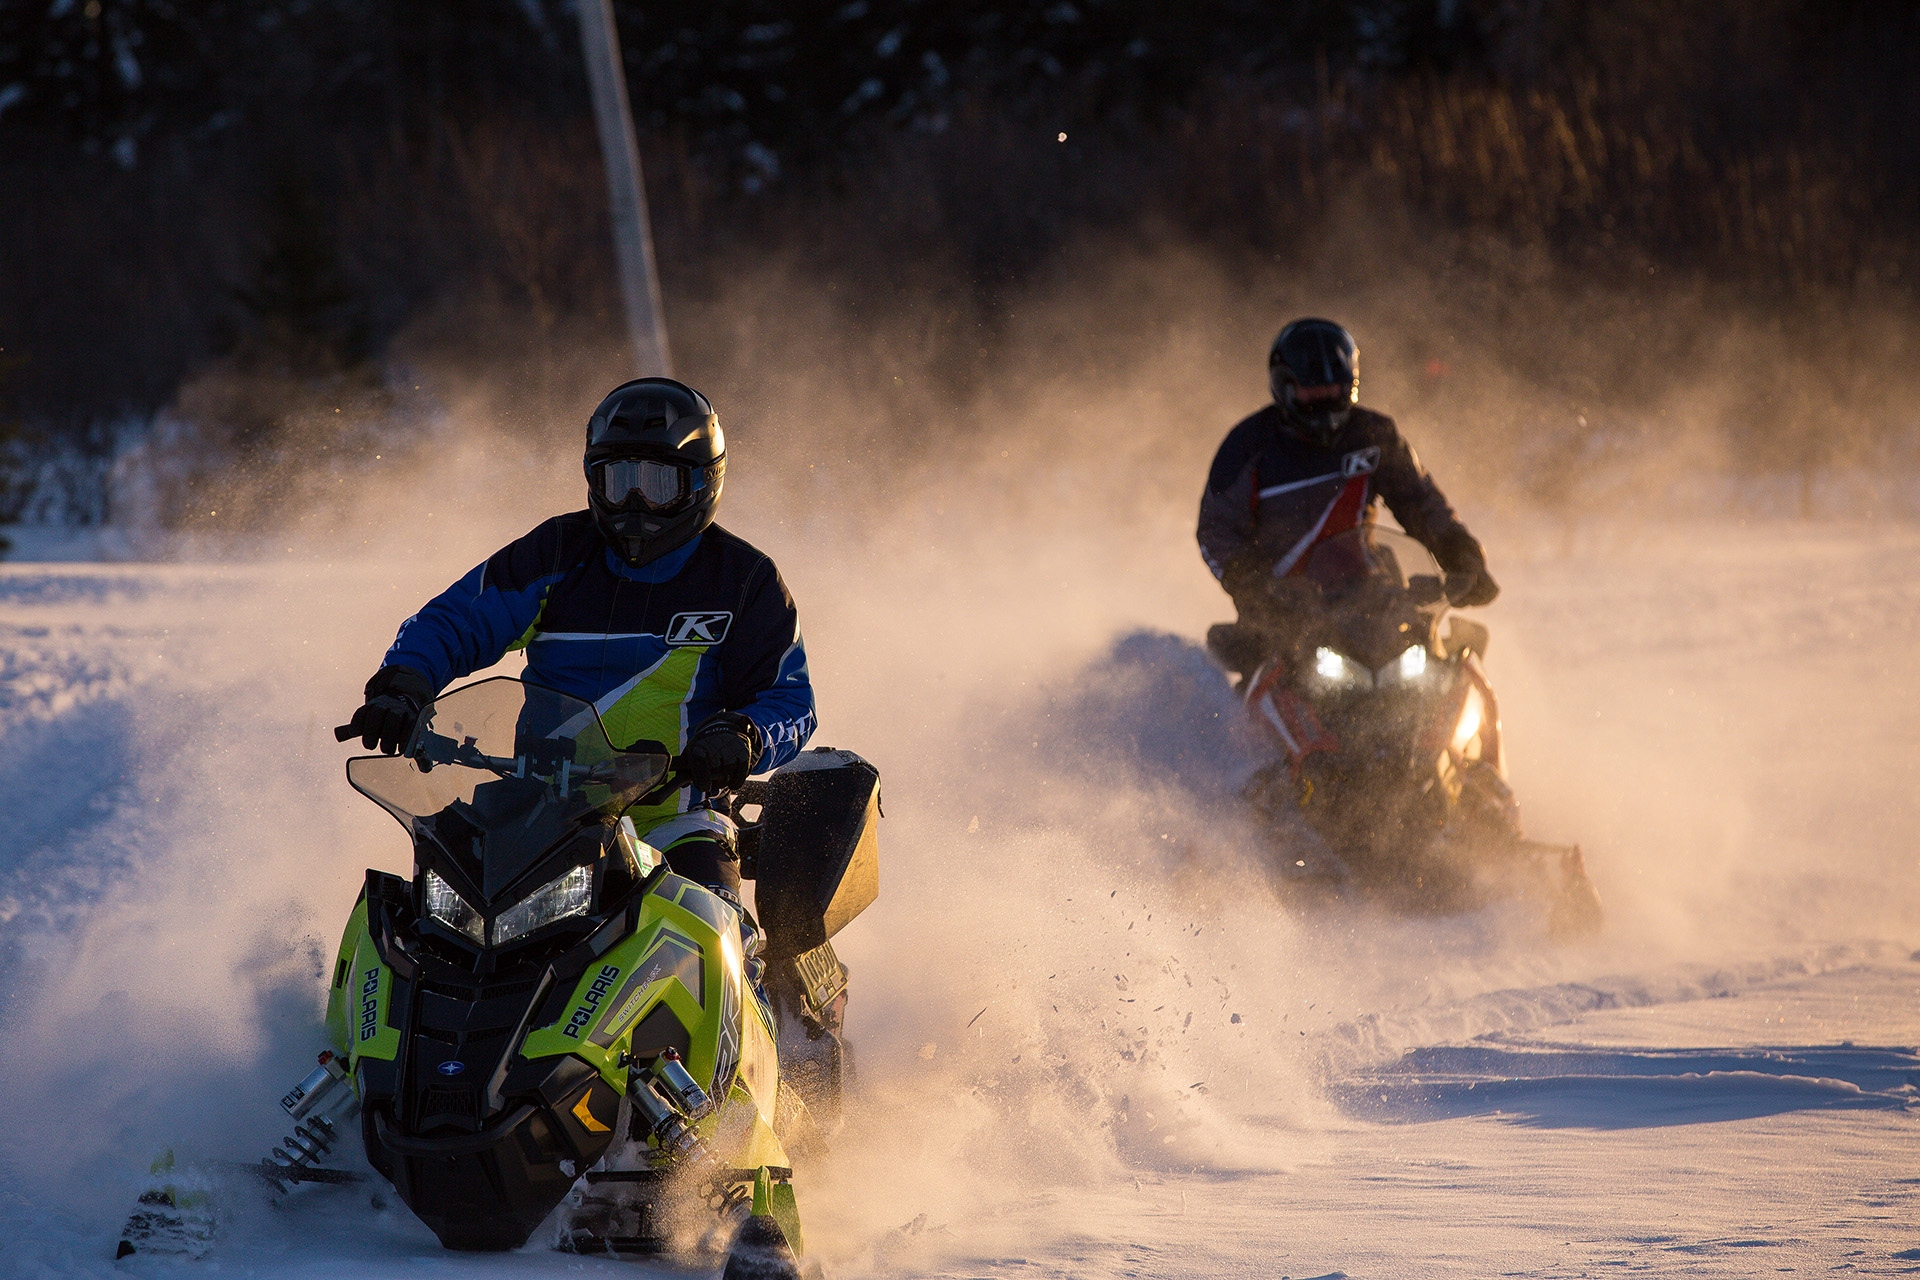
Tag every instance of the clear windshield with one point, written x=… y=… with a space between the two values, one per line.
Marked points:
x=503 y=754
x=1369 y=553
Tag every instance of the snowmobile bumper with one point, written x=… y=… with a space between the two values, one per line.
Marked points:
x=488 y=1190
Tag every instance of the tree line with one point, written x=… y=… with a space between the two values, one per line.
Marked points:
x=292 y=186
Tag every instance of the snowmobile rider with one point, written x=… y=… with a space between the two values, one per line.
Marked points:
x=673 y=628
x=1313 y=464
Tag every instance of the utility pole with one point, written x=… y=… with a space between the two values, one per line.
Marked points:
x=626 y=194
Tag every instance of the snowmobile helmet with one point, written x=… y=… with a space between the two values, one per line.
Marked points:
x=1313 y=369
x=656 y=460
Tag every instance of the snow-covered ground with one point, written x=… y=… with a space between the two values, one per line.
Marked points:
x=1092 y=1042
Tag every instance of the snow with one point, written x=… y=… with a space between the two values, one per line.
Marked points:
x=1092 y=1042
x=41 y=543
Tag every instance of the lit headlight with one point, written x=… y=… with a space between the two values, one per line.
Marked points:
x=1334 y=672
x=567 y=895
x=1413 y=663
x=1411 y=667
x=453 y=911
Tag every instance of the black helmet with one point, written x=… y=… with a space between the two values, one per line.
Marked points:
x=655 y=463
x=1314 y=370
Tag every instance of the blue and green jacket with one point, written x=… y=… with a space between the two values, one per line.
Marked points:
x=708 y=627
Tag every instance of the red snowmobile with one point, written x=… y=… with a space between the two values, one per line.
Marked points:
x=1385 y=738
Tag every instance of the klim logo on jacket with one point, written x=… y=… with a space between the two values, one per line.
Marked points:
x=1361 y=462
x=698 y=628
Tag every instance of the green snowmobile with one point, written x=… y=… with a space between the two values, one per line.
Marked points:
x=544 y=1017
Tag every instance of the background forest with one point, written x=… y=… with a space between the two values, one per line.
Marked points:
x=245 y=244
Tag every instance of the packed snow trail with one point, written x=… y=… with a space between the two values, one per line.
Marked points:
x=1091 y=1042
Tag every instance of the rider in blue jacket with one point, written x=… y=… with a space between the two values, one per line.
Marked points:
x=676 y=630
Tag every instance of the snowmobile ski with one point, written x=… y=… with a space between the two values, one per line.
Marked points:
x=174 y=1215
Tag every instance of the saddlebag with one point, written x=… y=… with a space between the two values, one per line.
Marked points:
x=813 y=852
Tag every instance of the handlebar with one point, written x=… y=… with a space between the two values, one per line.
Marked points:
x=505 y=766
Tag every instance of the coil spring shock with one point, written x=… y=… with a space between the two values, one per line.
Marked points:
x=728 y=1195
x=311 y=1140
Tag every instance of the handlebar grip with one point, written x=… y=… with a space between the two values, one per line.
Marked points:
x=342 y=732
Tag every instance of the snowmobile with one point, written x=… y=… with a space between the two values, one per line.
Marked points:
x=1383 y=738
x=543 y=1017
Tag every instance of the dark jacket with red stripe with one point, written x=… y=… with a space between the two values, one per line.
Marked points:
x=1272 y=496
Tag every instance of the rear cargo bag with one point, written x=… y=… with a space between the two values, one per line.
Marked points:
x=813 y=853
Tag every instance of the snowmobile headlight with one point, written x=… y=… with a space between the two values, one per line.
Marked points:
x=567 y=895
x=1335 y=672
x=1411 y=667
x=446 y=905
x=1413 y=663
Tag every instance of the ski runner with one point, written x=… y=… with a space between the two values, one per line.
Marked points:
x=1313 y=464
x=675 y=629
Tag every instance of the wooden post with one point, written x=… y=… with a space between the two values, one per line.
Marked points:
x=626 y=193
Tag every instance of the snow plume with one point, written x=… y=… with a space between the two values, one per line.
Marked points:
x=1077 y=972
x=991 y=592
x=172 y=885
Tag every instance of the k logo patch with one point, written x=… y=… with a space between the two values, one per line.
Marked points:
x=698 y=628
x=1361 y=462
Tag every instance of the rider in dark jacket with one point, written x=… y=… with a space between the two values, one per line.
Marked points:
x=675 y=629
x=1314 y=464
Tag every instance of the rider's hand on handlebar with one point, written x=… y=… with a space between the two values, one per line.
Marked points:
x=720 y=753
x=1474 y=587
x=1459 y=553
x=394 y=698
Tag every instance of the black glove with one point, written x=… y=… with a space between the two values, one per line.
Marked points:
x=1470 y=589
x=394 y=698
x=721 y=752
x=1468 y=582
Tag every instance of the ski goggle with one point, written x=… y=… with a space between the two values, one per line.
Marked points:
x=1333 y=394
x=660 y=487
